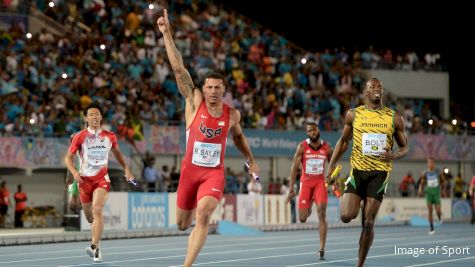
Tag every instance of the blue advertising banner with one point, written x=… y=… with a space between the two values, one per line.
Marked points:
x=147 y=210
x=270 y=143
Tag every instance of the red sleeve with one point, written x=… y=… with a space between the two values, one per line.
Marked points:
x=473 y=181
x=113 y=139
x=76 y=143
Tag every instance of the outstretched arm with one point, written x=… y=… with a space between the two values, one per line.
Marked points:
x=342 y=144
x=294 y=171
x=183 y=78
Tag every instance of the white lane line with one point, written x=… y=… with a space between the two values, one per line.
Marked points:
x=439 y=262
x=325 y=262
x=226 y=252
x=210 y=244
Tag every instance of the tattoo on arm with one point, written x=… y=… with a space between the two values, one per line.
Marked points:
x=183 y=77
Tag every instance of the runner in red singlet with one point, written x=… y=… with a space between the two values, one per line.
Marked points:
x=313 y=154
x=208 y=121
x=94 y=145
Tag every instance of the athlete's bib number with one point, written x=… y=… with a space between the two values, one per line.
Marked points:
x=432 y=180
x=314 y=166
x=373 y=143
x=206 y=154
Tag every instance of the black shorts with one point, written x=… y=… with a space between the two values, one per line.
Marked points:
x=3 y=209
x=367 y=183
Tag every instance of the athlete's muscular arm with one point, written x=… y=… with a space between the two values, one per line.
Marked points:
x=69 y=161
x=183 y=78
x=120 y=158
x=294 y=170
x=401 y=139
x=342 y=144
x=240 y=140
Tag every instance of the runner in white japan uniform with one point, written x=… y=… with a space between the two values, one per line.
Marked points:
x=94 y=145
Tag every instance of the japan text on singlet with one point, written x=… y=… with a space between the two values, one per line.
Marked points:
x=206 y=138
x=313 y=161
x=372 y=132
x=94 y=151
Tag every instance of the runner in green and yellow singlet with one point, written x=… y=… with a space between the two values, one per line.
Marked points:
x=433 y=182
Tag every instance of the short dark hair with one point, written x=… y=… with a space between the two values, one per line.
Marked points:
x=372 y=80
x=311 y=123
x=93 y=105
x=214 y=75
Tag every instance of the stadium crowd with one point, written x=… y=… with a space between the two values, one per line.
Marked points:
x=46 y=80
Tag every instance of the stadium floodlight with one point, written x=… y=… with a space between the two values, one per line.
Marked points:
x=32 y=121
x=454 y=122
x=431 y=121
x=102 y=46
x=304 y=61
x=51 y=4
x=64 y=75
x=151 y=6
x=446 y=170
x=29 y=35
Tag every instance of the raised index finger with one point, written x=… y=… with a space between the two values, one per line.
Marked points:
x=165 y=14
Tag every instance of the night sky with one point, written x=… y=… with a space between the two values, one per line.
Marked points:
x=399 y=26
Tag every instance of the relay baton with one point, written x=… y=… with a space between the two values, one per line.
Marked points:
x=254 y=175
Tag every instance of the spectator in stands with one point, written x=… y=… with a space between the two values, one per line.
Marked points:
x=20 y=206
x=284 y=188
x=407 y=184
x=152 y=177
x=459 y=186
x=232 y=186
x=448 y=177
x=165 y=179
x=174 y=178
x=4 y=202
x=271 y=187
x=273 y=63
x=254 y=188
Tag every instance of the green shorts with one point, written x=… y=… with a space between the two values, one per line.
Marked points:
x=73 y=188
x=433 y=195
